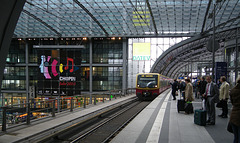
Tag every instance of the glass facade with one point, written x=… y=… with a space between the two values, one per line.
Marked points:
x=107 y=78
x=107 y=51
x=144 y=65
x=106 y=65
x=230 y=57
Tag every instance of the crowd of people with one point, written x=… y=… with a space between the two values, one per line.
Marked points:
x=211 y=93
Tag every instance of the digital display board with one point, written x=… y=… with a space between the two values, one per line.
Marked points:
x=141 y=51
x=59 y=72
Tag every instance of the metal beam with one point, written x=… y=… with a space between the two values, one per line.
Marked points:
x=9 y=15
x=205 y=17
x=93 y=18
x=58 y=46
x=153 y=21
x=43 y=22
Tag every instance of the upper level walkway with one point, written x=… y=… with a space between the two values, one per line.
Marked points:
x=160 y=122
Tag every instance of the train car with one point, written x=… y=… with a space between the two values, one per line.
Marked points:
x=150 y=85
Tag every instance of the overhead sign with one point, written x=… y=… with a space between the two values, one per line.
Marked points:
x=142 y=51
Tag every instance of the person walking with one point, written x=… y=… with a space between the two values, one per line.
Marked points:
x=235 y=114
x=212 y=96
x=224 y=96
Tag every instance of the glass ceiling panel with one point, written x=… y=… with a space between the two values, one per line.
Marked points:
x=126 y=18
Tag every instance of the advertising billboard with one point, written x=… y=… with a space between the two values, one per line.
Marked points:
x=142 y=51
x=59 y=72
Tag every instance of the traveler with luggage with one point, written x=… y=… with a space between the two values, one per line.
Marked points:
x=188 y=96
x=182 y=88
x=224 y=96
x=235 y=114
x=212 y=96
x=202 y=88
x=174 y=88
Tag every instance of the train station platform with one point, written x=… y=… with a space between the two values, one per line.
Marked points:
x=160 y=122
x=42 y=128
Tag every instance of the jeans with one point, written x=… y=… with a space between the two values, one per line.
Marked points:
x=236 y=132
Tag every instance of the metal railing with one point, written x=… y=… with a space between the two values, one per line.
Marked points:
x=19 y=114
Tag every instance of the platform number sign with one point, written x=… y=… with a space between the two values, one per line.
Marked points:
x=31 y=92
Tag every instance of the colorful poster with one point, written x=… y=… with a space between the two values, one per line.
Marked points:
x=59 y=72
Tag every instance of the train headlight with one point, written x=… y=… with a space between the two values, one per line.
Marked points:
x=138 y=85
x=155 y=85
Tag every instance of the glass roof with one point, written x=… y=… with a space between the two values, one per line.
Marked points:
x=125 y=18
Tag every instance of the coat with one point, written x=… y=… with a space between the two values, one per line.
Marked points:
x=235 y=99
x=189 y=92
x=214 y=92
x=224 y=91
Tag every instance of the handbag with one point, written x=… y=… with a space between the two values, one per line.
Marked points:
x=229 y=127
x=219 y=104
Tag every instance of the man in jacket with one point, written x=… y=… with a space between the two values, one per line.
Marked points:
x=224 y=96
x=212 y=97
x=174 y=88
x=182 y=88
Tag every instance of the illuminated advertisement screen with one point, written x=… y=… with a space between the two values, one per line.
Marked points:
x=141 y=51
x=59 y=72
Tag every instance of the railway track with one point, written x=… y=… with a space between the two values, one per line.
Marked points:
x=102 y=128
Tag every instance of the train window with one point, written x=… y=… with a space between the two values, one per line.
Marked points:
x=147 y=81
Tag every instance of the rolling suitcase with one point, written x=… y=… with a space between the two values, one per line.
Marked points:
x=180 y=105
x=200 y=117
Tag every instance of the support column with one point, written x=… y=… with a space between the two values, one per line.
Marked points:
x=124 y=74
x=91 y=69
x=26 y=71
x=236 y=58
x=213 y=49
x=10 y=11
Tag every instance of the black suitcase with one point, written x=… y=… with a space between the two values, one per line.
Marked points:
x=200 y=117
x=188 y=108
x=181 y=105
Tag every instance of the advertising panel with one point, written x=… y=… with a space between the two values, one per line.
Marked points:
x=59 y=72
x=142 y=51
x=220 y=70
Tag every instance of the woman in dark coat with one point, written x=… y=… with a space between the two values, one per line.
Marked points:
x=235 y=114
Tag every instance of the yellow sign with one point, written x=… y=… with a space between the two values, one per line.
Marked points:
x=141 y=18
x=141 y=51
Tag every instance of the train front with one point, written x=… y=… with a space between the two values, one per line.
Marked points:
x=147 y=86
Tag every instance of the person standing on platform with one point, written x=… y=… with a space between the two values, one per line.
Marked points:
x=212 y=96
x=182 y=89
x=188 y=91
x=202 y=86
x=202 y=90
x=174 y=88
x=224 y=96
x=235 y=114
